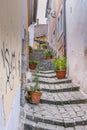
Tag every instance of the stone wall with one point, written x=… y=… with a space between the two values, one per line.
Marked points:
x=76 y=22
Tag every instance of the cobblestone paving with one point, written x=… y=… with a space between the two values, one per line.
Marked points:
x=64 y=97
x=47 y=72
x=58 y=87
x=53 y=80
x=50 y=75
x=66 y=115
x=48 y=115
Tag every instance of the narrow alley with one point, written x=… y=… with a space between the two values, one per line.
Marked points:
x=43 y=54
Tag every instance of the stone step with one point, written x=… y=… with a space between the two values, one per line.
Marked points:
x=44 y=72
x=46 y=65
x=53 y=80
x=49 y=75
x=52 y=88
x=62 y=98
x=44 y=126
x=37 y=55
x=31 y=125
x=47 y=72
x=60 y=115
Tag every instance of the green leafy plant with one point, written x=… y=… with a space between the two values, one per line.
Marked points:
x=36 y=86
x=48 y=53
x=33 y=62
x=59 y=64
x=33 y=91
x=43 y=45
x=30 y=47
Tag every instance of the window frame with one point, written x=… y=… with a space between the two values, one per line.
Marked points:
x=60 y=22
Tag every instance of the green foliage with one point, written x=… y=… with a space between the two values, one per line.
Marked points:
x=59 y=64
x=30 y=47
x=33 y=62
x=43 y=45
x=48 y=53
x=27 y=97
x=36 y=86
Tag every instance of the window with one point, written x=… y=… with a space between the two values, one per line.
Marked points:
x=60 y=23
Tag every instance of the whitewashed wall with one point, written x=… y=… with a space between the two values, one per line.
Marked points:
x=76 y=28
x=10 y=61
x=12 y=123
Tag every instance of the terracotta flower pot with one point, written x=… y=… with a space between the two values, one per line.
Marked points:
x=49 y=57
x=60 y=74
x=44 y=47
x=32 y=66
x=30 y=50
x=35 y=96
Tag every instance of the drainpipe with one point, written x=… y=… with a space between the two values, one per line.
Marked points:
x=65 y=37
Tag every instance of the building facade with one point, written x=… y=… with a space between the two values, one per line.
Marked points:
x=76 y=22
x=70 y=36
x=56 y=26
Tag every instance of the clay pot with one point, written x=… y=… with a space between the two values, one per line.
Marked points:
x=35 y=96
x=30 y=50
x=32 y=66
x=49 y=57
x=44 y=47
x=60 y=74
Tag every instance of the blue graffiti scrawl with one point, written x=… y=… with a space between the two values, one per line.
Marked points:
x=9 y=63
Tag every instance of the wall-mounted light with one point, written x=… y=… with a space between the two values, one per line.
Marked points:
x=53 y=14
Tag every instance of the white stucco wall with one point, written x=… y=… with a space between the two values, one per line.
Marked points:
x=76 y=28
x=10 y=61
x=13 y=122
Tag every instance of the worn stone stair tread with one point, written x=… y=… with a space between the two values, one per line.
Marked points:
x=31 y=125
x=44 y=72
x=52 y=88
x=54 y=80
x=46 y=65
x=64 y=115
x=37 y=55
x=75 y=97
x=49 y=75
x=47 y=72
x=52 y=127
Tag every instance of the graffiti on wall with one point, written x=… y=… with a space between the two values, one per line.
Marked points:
x=10 y=65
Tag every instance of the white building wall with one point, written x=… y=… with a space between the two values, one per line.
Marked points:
x=41 y=11
x=10 y=62
x=13 y=122
x=76 y=28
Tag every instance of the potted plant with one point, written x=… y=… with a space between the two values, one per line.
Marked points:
x=30 y=49
x=34 y=92
x=43 y=46
x=48 y=54
x=32 y=64
x=60 y=67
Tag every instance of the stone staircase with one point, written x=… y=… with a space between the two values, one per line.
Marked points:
x=37 y=55
x=62 y=107
x=43 y=63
